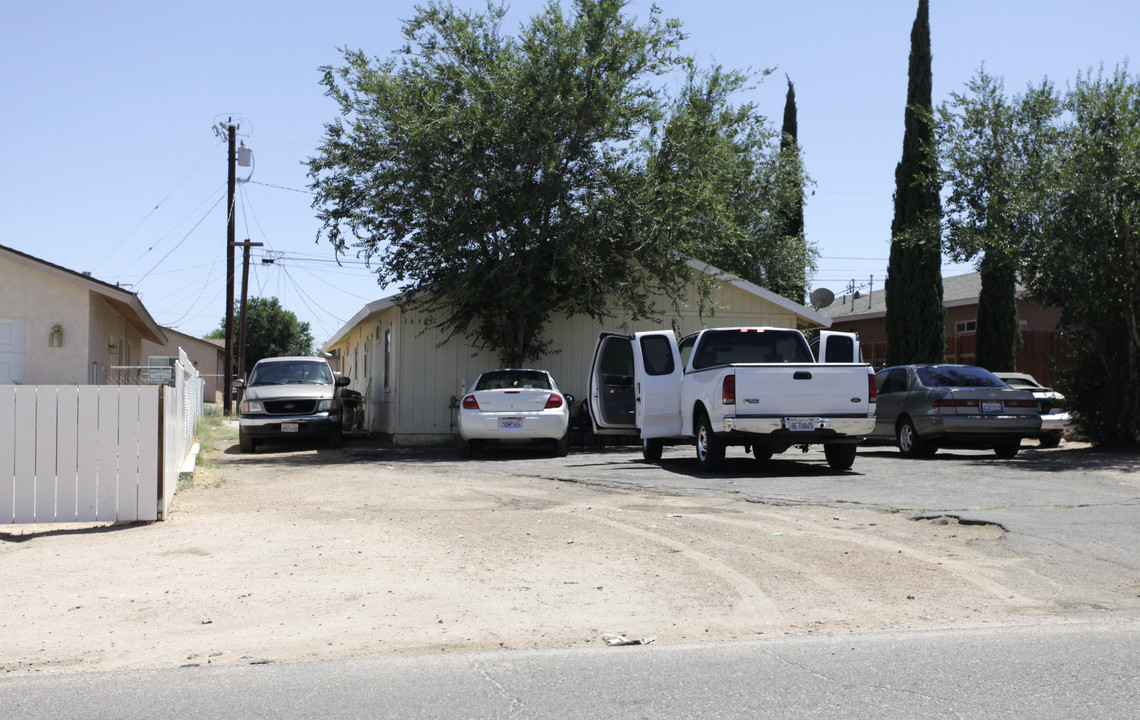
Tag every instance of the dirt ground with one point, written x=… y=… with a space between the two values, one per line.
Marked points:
x=313 y=554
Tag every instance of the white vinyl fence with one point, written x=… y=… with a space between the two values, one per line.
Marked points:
x=94 y=453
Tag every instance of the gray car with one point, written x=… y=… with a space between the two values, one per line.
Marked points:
x=924 y=407
x=1055 y=420
x=290 y=397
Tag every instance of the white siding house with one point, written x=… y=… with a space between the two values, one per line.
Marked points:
x=61 y=327
x=411 y=380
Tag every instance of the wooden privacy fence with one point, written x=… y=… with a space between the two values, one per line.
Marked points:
x=95 y=453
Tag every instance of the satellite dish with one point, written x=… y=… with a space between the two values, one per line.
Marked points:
x=821 y=298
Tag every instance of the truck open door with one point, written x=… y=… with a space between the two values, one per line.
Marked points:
x=657 y=383
x=633 y=384
x=830 y=346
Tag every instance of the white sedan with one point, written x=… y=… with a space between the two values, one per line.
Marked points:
x=514 y=407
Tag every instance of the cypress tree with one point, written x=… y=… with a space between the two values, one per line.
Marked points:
x=915 y=313
x=794 y=222
x=998 y=327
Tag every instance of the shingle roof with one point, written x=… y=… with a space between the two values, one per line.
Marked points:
x=956 y=290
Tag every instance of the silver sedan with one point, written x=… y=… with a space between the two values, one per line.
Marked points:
x=923 y=407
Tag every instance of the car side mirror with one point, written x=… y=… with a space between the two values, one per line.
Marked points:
x=569 y=398
x=239 y=383
x=342 y=381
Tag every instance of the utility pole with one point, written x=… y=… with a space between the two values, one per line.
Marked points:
x=231 y=157
x=244 y=294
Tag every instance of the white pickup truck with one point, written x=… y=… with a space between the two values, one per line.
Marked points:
x=757 y=387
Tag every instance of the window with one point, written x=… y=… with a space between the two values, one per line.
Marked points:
x=657 y=354
x=686 y=349
x=388 y=360
x=965 y=326
x=892 y=381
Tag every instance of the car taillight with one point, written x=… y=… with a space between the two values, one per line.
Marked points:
x=728 y=390
x=872 y=388
x=1021 y=403
x=554 y=401
x=470 y=403
x=954 y=402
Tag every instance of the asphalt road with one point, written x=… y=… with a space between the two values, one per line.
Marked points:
x=1085 y=670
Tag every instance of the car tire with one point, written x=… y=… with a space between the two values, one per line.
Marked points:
x=762 y=453
x=466 y=451
x=562 y=445
x=245 y=443
x=840 y=457
x=909 y=442
x=1051 y=440
x=1007 y=450
x=336 y=440
x=651 y=449
x=710 y=448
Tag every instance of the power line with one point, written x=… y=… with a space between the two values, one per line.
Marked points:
x=156 y=207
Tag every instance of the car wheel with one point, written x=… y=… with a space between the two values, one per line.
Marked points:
x=1051 y=440
x=840 y=457
x=651 y=449
x=710 y=448
x=245 y=443
x=1007 y=450
x=465 y=448
x=562 y=445
x=336 y=440
x=910 y=444
x=761 y=453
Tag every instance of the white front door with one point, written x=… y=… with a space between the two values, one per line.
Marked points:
x=13 y=350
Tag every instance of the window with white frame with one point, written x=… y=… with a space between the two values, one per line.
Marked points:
x=965 y=326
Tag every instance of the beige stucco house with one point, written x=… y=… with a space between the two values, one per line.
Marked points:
x=411 y=380
x=207 y=356
x=62 y=327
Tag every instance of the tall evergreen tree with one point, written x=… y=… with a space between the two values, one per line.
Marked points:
x=796 y=288
x=915 y=313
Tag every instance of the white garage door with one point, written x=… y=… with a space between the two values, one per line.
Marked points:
x=13 y=350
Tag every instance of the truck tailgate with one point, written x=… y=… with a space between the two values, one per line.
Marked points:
x=802 y=390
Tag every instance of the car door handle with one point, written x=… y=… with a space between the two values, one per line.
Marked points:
x=801 y=375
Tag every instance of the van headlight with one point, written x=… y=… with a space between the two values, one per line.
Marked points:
x=328 y=405
x=249 y=407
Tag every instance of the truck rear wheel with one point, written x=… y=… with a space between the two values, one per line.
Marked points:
x=840 y=457
x=710 y=448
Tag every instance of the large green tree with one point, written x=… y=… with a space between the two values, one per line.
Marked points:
x=489 y=176
x=718 y=183
x=915 y=313
x=992 y=151
x=270 y=331
x=501 y=180
x=1086 y=259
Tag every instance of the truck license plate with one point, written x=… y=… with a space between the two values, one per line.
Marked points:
x=991 y=406
x=510 y=423
x=290 y=427
x=800 y=425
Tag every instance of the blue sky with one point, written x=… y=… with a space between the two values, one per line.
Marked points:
x=112 y=166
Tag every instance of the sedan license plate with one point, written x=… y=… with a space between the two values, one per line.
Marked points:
x=511 y=423
x=290 y=427
x=991 y=406
x=799 y=425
